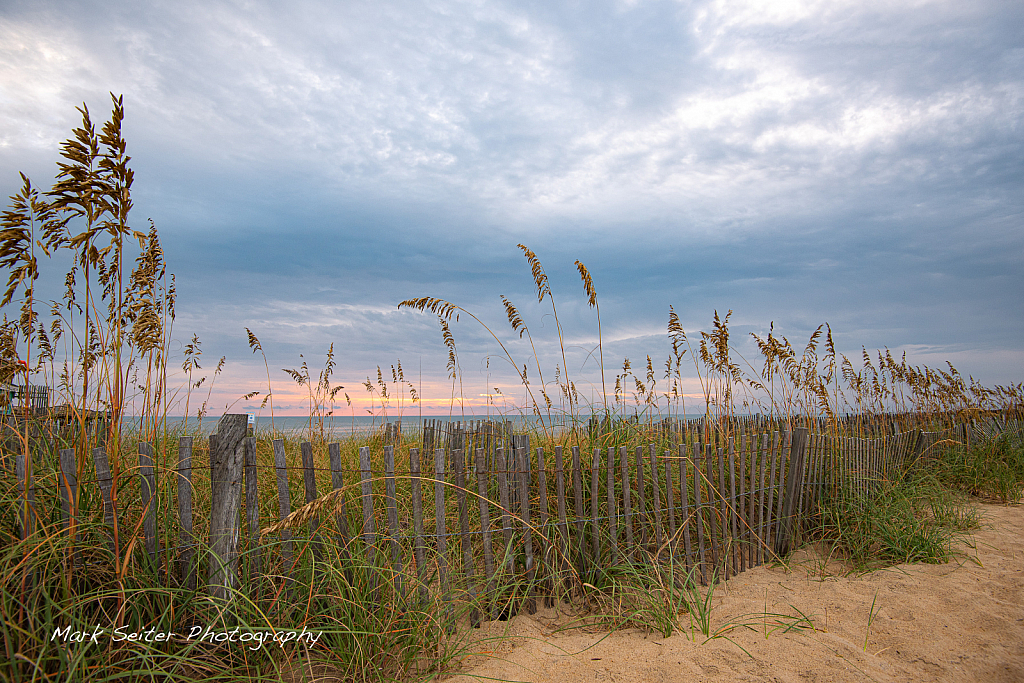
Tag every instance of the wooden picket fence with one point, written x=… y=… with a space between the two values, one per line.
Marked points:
x=501 y=511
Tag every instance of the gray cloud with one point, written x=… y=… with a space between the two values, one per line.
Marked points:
x=858 y=163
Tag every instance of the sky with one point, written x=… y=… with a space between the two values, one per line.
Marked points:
x=309 y=165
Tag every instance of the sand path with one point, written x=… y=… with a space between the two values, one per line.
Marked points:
x=961 y=621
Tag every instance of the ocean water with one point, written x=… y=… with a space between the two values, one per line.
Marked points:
x=294 y=425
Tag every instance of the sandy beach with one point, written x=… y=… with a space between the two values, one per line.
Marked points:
x=962 y=621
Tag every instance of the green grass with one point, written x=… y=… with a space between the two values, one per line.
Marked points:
x=912 y=520
x=370 y=633
x=991 y=469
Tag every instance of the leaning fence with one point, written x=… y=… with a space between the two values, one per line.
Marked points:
x=475 y=509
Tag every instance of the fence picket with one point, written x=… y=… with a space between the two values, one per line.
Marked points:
x=563 y=527
x=68 y=489
x=468 y=565
x=613 y=506
x=627 y=504
x=392 y=512
x=485 y=525
x=442 y=535
x=543 y=519
x=684 y=504
x=670 y=502
x=225 y=503
x=369 y=528
x=762 y=457
x=523 y=476
x=309 y=488
x=186 y=540
x=641 y=500
x=284 y=508
x=252 y=511
x=656 y=501
x=723 y=507
x=419 y=549
x=103 y=480
x=698 y=509
x=147 y=486
x=595 y=480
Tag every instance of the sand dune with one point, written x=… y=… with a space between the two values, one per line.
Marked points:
x=961 y=621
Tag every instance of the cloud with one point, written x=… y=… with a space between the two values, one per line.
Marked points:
x=310 y=166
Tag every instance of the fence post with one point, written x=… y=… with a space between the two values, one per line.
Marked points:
x=103 y=480
x=284 y=508
x=226 y=459
x=252 y=512
x=68 y=488
x=148 y=486
x=369 y=528
x=185 y=537
x=797 y=454
x=26 y=498
x=309 y=486
x=391 y=505
x=440 y=479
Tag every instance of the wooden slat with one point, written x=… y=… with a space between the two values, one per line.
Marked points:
x=26 y=496
x=714 y=529
x=684 y=503
x=309 y=488
x=546 y=537
x=733 y=509
x=787 y=468
x=68 y=482
x=613 y=512
x=338 y=484
x=772 y=517
x=391 y=501
x=147 y=489
x=186 y=539
x=522 y=458
x=752 y=539
x=641 y=500
x=725 y=517
x=577 y=492
x=670 y=502
x=485 y=525
x=627 y=504
x=563 y=526
x=502 y=469
x=369 y=528
x=794 y=481
x=284 y=508
x=225 y=503
x=103 y=480
x=656 y=502
x=419 y=548
x=595 y=529
x=746 y=502
x=440 y=478
x=762 y=457
x=698 y=508
x=252 y=510
x=468 y=564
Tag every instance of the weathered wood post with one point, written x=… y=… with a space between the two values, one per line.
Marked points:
x=797 y=455
x=104 y=481
x=252 y=512
x=149 y=502
x=185 y=538
x=226 y=457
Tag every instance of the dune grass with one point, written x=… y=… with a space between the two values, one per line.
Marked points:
x=992 y=469
x=104 y=349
